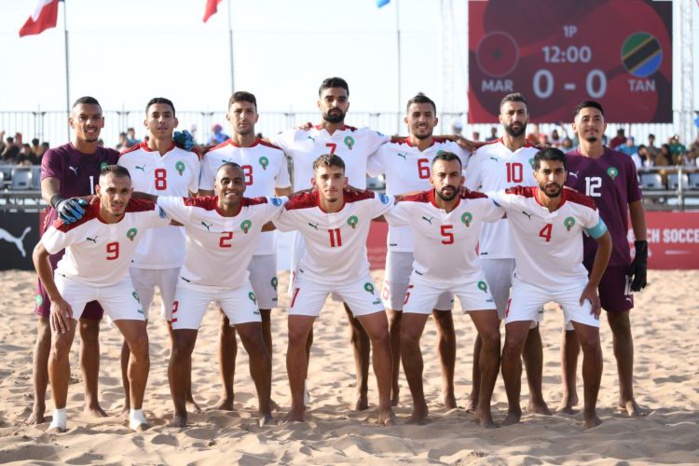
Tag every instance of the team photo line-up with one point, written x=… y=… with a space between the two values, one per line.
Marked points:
x=504 y=226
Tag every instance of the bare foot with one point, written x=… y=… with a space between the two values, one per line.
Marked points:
x=95 y=411
x=125 y=411
x=37 y=416
x=449 y=400
x=387 y=418
x=485 y=418
x=193 y=406
x=592 y=420
x=512 y=417
x=362 y=402
x=265 y=419
x=538 y=408
x=471 y=404
x=225 y=404
x=395 y=396
x=633 y=410
x=567 y=403
x=178 y=421
x=419 y=416
x=295 y=416
x=273 y=405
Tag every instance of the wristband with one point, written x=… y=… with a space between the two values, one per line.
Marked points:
x=55 y=200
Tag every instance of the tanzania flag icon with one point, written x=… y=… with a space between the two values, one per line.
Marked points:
x=641 y=54
x=497 y=54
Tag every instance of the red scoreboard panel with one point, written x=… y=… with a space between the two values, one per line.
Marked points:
x=558 y=53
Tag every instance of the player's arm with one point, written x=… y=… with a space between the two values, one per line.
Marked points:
x=639 y=267
x=61 y=312
x=205 y=192
x=604 y=252
x=69 y=210
x=280 y=192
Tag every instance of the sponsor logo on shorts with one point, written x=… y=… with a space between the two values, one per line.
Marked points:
x=180 y=166
x=264 y=162
x=353 y=221
x=466 y=219
x=39 y=300
x=569 y=223
x=251 y=297
x=135 y=296
x=245 y=226
x=274 y=282
x=369 y=288
x=131 y=234
x=483 y=286
x=613 y=172
x=349 y=142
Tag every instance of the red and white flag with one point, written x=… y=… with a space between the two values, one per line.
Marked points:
x=44 y=17
x=211 y=9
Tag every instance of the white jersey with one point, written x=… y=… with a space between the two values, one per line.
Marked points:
x=548 y=245
x=445 y=242
x=407 y=169
x=494 y=167
x=352 y=145
x=98 y=253
x=265 y=168
x=219 y=248
x=335 y=242
x=175 y=173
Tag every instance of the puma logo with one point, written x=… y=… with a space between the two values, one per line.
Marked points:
x=208 y=227
x=19 y=242
x=94 y=240
x=312 y=225
x=428 y=220
x=494 y=158
x=74 y=170
x=575 y=174
x=402 y=154
x=312 y=138
x=528 y=214
x=142 y=168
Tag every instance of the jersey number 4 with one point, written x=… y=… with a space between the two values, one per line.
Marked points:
x=546 y=232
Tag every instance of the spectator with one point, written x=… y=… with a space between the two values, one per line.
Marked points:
x=567 y=144
x=690 y=158
x=534 y=137
x=218 y=135
x=677 y=149
x=664 y=159
x=10 y=153
x=26 y=156
x=36 y=148
x=44 y=147
x=555 y=139
x=476 y=136
x=131 y=137
x=618 y=140
x=493 y=134
x=652 y=148
x=123 y=143
x=639 y=157
x=695 y=145
x=629 y=148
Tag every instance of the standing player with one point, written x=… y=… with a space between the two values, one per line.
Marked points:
x=159 y=167
x=498 y=165
x=220 y=230
x=609 y=177
x=67 y=171
x=354 y=146
x=406 y=166
x=335 y=226
x=266 y=174
x=445 y=227
x=547 y=223
x=99 y=248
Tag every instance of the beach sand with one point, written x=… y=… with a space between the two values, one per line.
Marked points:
x=665 y=327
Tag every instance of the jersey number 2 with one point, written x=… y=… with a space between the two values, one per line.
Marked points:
x=225 y=240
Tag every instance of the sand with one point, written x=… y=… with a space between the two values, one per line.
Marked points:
x=666 y=332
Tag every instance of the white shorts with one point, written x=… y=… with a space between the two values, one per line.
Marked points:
x=263 y=277
x=119 y=301
x=499 y=273
x=191 y=302
x=526 y=299
x=309 y=296
x=423 y=293
x=145 y=281
x=399 y=266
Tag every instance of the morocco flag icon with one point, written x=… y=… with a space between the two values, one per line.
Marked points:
x=497 y=54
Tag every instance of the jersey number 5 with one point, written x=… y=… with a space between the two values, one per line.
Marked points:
x=447 y=234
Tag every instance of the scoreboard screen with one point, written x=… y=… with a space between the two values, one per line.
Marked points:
x=558 y=53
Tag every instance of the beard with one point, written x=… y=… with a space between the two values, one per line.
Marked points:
x=422 y=137
x=446 y=197
x=549 y=194
x=509 y=129
x=334 y=118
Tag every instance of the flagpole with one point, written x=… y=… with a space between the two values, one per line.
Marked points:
x=230 y=45
x=65 y=34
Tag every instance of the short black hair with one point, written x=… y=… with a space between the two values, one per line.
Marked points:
x=329 y=83
x=447 y=157
x=421 y=98
x=550 y=154
x=228 y=164
x=116 y=170
x=160 y=100
x=514 y=97
x=242 y=96
x=86 y=100
x=587 y=104
x=328 y=160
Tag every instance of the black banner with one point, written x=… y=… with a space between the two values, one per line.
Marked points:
x=19 y=233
